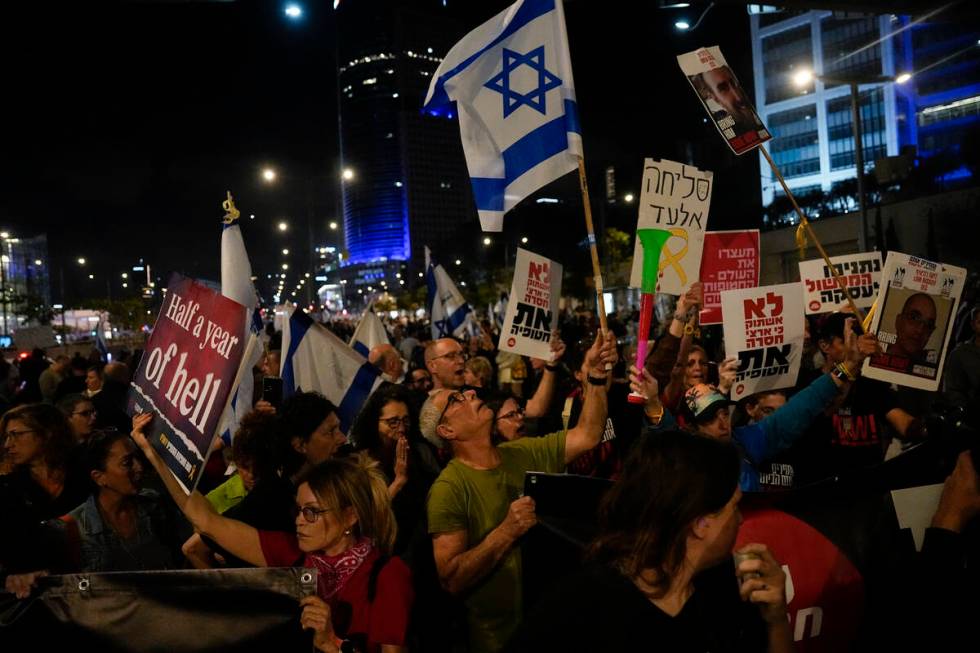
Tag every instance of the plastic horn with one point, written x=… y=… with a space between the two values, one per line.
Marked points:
x=652 y=241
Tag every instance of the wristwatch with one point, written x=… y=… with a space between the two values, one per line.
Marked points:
x=595 y=380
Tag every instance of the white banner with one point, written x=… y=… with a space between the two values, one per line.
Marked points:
x=861 y=274
x=914 y=320
x=764 y=328
x=532 y=312
x=675 y=197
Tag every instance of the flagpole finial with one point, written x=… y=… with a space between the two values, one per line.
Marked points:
x=231 y=213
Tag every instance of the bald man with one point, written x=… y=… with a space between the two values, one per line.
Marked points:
x=913 y=328
x=386 y=358
x=445 y=360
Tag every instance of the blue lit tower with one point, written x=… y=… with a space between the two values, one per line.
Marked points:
x=408 y=185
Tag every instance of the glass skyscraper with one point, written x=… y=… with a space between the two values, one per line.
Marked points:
x=813 y=143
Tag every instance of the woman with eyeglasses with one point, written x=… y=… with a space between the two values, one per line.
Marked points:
x=387 y=429
x=46 y=481
x=344 y=528
x=81 y=415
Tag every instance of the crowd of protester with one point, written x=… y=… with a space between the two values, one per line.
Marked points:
x=414 y=519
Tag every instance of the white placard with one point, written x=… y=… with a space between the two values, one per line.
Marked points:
x=914 y=320
x=764 y=329
x=675 y=197
x=532 y=312
x=724 y=99
x=861 y=274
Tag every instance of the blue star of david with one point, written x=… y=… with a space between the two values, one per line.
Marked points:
x=443 y=327
x=534 y=98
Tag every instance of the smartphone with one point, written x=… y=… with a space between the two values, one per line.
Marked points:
x=272 y=390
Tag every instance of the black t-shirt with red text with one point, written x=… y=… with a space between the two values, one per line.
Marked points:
x=850 y=434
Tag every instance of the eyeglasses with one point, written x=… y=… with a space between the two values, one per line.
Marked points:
x=85 y=413
x=311 y=514
x=395 y=422
x=454 y=398
x=915 y=317
x=514 y=414
x=17 y=434
x=454 y=355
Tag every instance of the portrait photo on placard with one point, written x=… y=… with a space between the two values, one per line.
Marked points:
x=911 y=331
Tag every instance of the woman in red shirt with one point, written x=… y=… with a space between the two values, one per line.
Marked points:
x=344 y=528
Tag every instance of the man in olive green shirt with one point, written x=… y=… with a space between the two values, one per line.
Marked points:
x=476 y=511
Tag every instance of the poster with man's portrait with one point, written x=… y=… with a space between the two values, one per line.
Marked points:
x=724 y=98
x=914 y=320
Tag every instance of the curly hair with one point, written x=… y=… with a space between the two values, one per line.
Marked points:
x=364 y=433
x=254 y=444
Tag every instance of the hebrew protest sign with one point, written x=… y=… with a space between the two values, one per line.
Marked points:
x=730 y=260
x=764 y=328
x=724 y=99
x=187 y=373
x=914 y=320
x=674 y=197
x=861 y=274
x=532 y=312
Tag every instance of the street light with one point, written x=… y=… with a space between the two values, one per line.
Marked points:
x=269 y=175
x=285 y=252
x=524 y=240
x=804 y=77
x=81 y=261
x=283 y=226
x=628 y=198
x=348 y=174
x=487 y=241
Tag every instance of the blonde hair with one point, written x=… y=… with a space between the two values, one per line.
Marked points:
x=481 y=368
x=356 y=482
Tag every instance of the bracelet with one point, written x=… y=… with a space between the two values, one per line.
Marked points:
x=656 y=418
x=846 y=372
x=680 y=317
x=596 y=380
x=551 y=368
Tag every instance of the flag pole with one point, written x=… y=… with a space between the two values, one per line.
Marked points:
x=813 y=236
x=596 y=271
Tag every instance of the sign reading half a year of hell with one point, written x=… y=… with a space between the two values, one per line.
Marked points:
x=764 y=328
x=186 y=374
x=675 y=197
x=730 y=260
x=861 y=274
x=532 y=312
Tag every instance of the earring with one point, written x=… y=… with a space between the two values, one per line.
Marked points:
x=347 y=532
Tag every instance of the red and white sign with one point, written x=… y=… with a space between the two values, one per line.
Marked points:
x=730 y=260
x=764 y=328
x=532 y=312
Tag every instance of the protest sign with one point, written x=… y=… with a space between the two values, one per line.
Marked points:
x=674 y=197
x=914 y=320
x=532 y=312
x=861 y=274
x=730 y=260
x=724 y=99
x=764 y=328
x=187 y=373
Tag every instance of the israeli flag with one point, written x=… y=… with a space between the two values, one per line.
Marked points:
x=370 y=333
x=448 y=311
x=511 y=80
x=315 y=360
x=236 y=284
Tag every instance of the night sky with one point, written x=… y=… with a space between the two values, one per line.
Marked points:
x=126 y=122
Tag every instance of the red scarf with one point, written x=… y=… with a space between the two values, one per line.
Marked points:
x=335 y=570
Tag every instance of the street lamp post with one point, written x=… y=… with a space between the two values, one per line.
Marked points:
x=803 y=78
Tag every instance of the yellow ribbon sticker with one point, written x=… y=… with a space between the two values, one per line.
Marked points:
x=673 y=259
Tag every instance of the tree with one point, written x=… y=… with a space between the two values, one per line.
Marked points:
x=618 y=247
